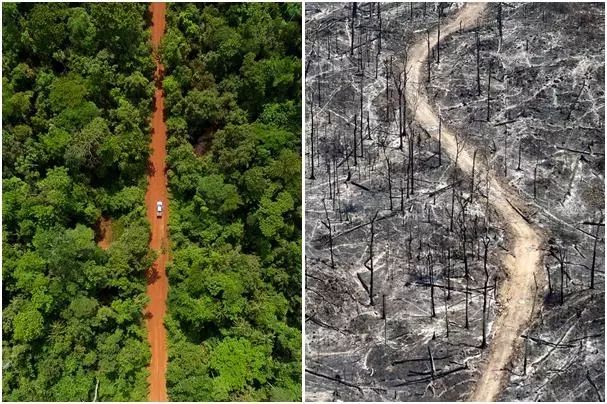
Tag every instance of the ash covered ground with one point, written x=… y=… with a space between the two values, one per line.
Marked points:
x=392 y=226
x=547 y=105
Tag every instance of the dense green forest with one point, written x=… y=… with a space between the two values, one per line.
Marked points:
x=233 y=91
x=76 y=101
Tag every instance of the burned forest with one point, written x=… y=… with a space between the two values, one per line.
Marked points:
x=454 y=168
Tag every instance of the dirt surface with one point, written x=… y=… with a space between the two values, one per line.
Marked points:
x=157 y=191
x=104 y=231
x=517 y=292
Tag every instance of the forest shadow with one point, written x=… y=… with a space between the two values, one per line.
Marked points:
x=153 y=275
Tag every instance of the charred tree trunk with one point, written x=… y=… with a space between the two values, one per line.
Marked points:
x=592 y=268
x=383 y=306
x=472 y=177
x=370 y=260
x=440 y=149
x=354 y=6
x=562 y=264
x=328 y=161
x=362 y=77
x=389 y=179
x=549 y=280
x=402 y=197
x=518 y=167
x=319 y=94
x=312 y=139
x=467 y=276
x=432 y=365
x=438 y=36
x=505 y=150
x=400 y=82
x=355 y=140
x=489 y=93
x=389 y=72
x=411 y=162
x=535 y=182
x=428 y=58
x=465 y=254
x=380 y=27
x=486 y=244
x=405 y=94
x=399 y=91
x=328 y=225
x=446 y=313
x=560 y=254
x=431 y=271
x=452 y=213
x=448 y=272
x=499 y=20
x=478 y=62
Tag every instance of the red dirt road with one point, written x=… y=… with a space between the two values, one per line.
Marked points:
x=157 y=191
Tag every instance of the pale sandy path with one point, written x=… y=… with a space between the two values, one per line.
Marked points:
x=158 y=283
x=517 y=291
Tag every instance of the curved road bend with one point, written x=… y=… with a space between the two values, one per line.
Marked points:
x=157 y=287
x=517 y=291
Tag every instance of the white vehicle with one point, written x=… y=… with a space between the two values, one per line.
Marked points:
x=159 y=208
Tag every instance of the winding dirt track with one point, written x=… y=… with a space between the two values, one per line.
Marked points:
x=517 y=291
x=157 y=191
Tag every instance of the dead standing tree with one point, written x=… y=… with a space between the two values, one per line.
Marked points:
x=431 y=273
x=505 y=150
x=400 y=84
x=472 y=176
x=489 y=91
x=329 y=227
x=559 y=253
x=312 y=138
x=448 y=272
x=428 y=58
x=355 y=140
x=380 y=28
x=499 y=21
x=440 y=136
x=463 y=234
x=388 y=68
x=486 y=242
x=369 y=262
x=446 y=312
x=389 y=167
x=459 y=146
x=598 y=226
x=439 y=11
x=411 y=144
x=362 y=95
x=352 y=20
x=478 y=62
